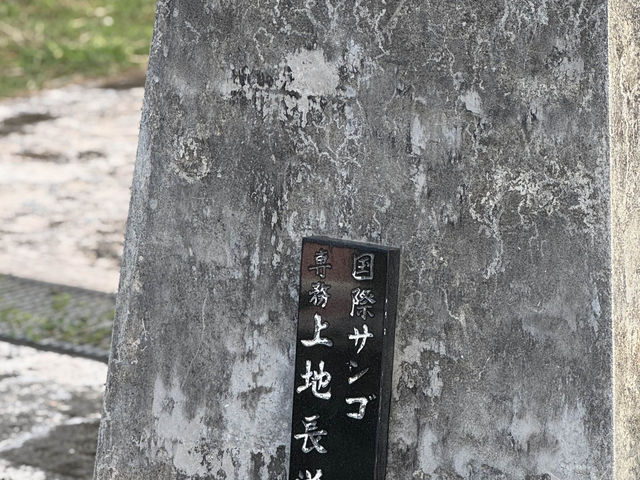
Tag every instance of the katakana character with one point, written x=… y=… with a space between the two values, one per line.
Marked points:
x=363 y=405
x=357 y=336
x=358 y=376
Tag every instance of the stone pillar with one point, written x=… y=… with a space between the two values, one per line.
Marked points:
x=624 y=80
x=472 y=135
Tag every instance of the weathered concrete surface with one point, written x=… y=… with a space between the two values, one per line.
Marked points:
x=624 y=73
x=474 y=135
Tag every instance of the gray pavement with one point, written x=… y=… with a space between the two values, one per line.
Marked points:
x=66 y=162
x=49 y=413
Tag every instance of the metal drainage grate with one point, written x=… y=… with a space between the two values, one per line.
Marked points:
x=54 y=317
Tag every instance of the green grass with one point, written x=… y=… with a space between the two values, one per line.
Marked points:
x=59 y=301
x=79 y=330
x=44 y=42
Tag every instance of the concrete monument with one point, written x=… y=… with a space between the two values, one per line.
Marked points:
x=474 y=136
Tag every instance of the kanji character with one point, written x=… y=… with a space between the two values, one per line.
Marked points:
x=311 y=434
x=317 y=340
x=363 y=266
x=319 y=294
x=362 y=301
x=317 y=380
x=321 y=257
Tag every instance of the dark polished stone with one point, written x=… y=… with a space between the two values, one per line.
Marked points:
x=344 y=359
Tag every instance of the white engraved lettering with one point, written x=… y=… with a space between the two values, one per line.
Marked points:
x=363 y=405
x=307 y=475
x=362 y=337
x=357 y=376
x=321 y=257
x=363 y=266
x=317 y=340
x=317 y=380
x=311 y=434
x=319 y=294
x=362 y=301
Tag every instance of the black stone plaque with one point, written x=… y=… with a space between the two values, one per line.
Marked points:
x=344 y=358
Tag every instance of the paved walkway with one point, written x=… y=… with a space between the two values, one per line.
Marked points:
x=66 y=164
x=49 y=414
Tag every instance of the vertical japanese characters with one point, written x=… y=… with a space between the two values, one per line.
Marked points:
x=317 y=380
x=340 y=395
x=362 y=310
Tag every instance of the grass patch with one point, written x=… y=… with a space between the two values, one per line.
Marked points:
x=59 y=301
x=64 y=40
x=59 y=326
